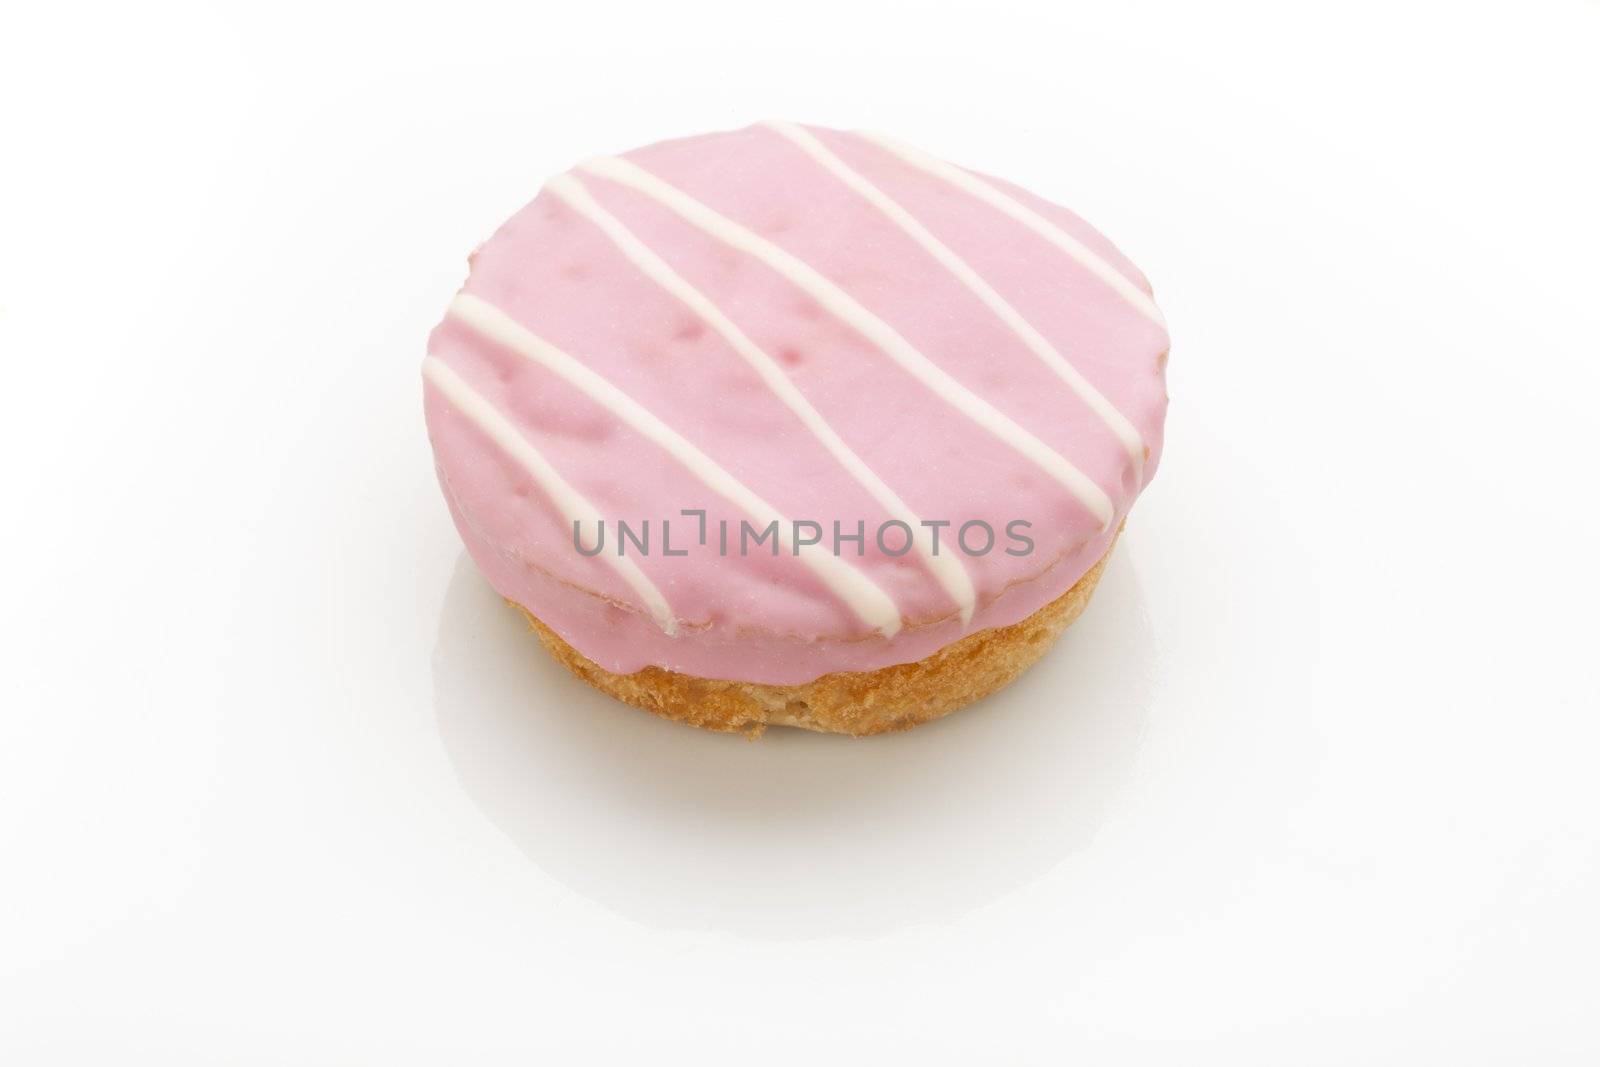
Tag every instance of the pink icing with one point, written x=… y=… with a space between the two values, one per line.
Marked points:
x=759 y=618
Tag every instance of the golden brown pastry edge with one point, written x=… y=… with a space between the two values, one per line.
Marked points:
x=859 y=703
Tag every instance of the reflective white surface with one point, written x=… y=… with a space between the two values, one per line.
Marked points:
x=1312 y=781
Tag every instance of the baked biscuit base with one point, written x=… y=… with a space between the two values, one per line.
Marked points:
x=859 y=703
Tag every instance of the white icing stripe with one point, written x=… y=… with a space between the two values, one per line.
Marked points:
x=845 y=307
x=1115 y=420
x=860 y=594
x=476 y=409
x=946 y=568
x=1010 y=205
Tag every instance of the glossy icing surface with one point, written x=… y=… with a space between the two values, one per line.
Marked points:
x=787 y=323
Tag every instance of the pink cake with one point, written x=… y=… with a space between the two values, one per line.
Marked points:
x=934 y=393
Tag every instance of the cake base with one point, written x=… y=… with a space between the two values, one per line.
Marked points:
x=859 y=703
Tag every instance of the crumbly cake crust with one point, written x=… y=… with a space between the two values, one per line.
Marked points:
x=859 y=703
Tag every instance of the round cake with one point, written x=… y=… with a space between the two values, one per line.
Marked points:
x=793 y=426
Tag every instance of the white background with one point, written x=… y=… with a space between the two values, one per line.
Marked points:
x=1314 y=780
